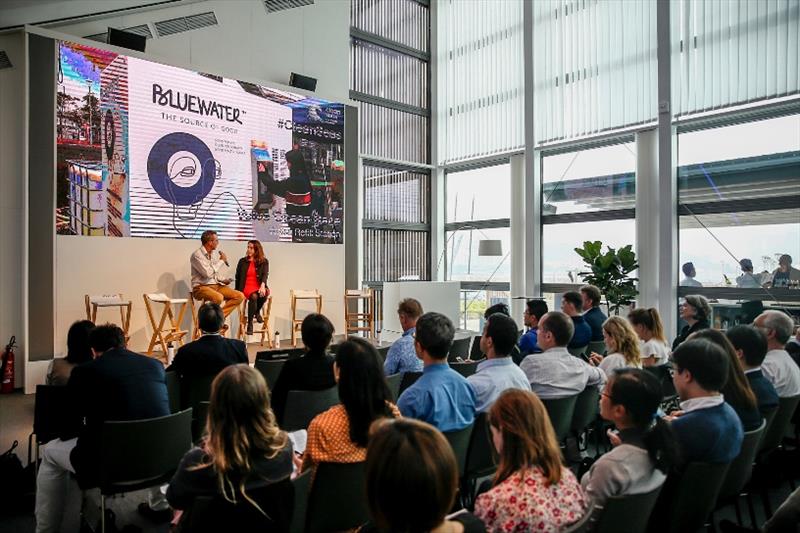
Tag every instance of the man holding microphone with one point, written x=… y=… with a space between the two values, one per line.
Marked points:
x=209 y=283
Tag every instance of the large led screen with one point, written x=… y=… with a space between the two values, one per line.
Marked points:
x=151 y=150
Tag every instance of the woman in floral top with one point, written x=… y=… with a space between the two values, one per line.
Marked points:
x=531 y=491
x=339 y=435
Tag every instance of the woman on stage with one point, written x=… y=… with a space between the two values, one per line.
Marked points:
x=251 y=279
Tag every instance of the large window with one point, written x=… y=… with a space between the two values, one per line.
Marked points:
x=587 y=195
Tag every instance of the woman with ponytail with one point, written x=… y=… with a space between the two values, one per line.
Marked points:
x=622 y=344
x=647 y=325
x=644 y=447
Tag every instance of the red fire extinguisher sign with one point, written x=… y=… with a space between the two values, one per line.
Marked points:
x=7 y=373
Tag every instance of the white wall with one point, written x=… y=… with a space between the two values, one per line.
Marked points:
x=135 y=266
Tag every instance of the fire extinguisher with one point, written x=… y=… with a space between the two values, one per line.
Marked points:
x=7 y=383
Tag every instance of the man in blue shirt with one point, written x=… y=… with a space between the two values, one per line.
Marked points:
x=402 y=356
x=571 y=304
x=591 y=311
x=498 y=372
x=534 y=311
x=707 y=429
x=441 y=396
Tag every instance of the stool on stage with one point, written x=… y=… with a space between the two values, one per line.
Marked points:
x=165 y=332
x=110 y=300
x=265 y=331
x=296 y=296
x=364 y=318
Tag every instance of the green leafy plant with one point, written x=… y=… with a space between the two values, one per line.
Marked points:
x=610 y=273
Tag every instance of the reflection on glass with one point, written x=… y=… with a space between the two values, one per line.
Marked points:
x=480 y=194
x=464 y=263
x=474 y=304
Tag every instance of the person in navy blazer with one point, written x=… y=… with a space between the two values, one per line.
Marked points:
x=212 y=352
x=751 y=346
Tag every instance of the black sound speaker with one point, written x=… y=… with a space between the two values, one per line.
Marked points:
x=126 y=39
x=303 y=82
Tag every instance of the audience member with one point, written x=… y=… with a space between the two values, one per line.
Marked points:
x=707 y=429
x=643 y=450
x=78 y=352
x=252 y=273
x=778 y=367
x=116 y=385
x=339 y=435
x=785 y=274
x=690 y=273
x=747 y=280
x=402 y=357
x=534 y=311
x=441 y=396
x=412 y=480
x=695 y=311
x=312 y=371
x=654 y=349
x=209 y=281
x=532 y=490
x=516 y=355
x=751 y=347
x=622 y=344
x=498 y=372
x=243 y=451
x=555 y=373
x=571 y=305
x=592 y=313
x=736 y=391
x=211 y=352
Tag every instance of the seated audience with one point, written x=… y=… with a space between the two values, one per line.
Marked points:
x=534 y=311
x=441 y=396
x=402 y=357
x=571 y=304
x=211 y=352
x=748 y=280
x=502 y=308
x=339 y=435
x=312 y=371
x=736 y=391
x=695 y=311
x=555 y=373
x=243 y=451
x=78 y=352
x=532 y=490
x=654 y=349
x=785 y=274
x=643 y=451
x=751 y=347
x=498 y=372
x=707 y=429
x=622 y=344
x=412 y=481
x=690 y=273
x=778 y=367
x=116 y=385
x=592 y=313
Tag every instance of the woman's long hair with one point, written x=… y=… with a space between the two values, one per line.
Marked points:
x=625 y=338
x=640 y=393
x=362 y=387
x=650 y=319
x=78 y=349
x=240 y=428
x=737 y=390
x=258 y=252
x=528 y=437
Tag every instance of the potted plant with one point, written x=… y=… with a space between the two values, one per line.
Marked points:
x=610 y=273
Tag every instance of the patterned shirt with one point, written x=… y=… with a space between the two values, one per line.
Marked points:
x=329 y=439
x=524 y=502
x=402 y=356
x=492 y=377
x=441 y=397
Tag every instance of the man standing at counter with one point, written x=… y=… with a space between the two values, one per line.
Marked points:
x=208 y=280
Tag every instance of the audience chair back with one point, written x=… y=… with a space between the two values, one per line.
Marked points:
x=200 y=417
x=626 y=514
x=173 y=391
x=688 y=498
x=783 y=416
x=587 y=407
x=383 y=351
x=561 y=411
x=297 y=295
x=213 y=514
x=302 y=406
x=481 y=459
x=475 y=351
x=270 y=370
x=596 y=346
x=460 y=348
x=466 y=369
x=394 y=385
x=742 y=466
x=302 y=484
x=409 y=378
x=459 y=441
x=577 y=352
x=664 y=375
x=50 y=415
x=195 y=389
x=337 y=500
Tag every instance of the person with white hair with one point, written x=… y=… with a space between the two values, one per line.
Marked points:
x=778 y=367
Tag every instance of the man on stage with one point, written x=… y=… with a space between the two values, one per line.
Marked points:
x=209 y=282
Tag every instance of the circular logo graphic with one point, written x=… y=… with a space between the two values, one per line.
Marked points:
x=161 y=175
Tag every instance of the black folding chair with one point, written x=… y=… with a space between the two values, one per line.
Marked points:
x=480 y=460
x=466 y=369
x=561 y=411
x=459 y=441
x=393 y=382
x=270 y=369
x=51 y=416
x=302 y=406
x=626 y=514
x=338 y=499
x=408 y=379
x=459 y=349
